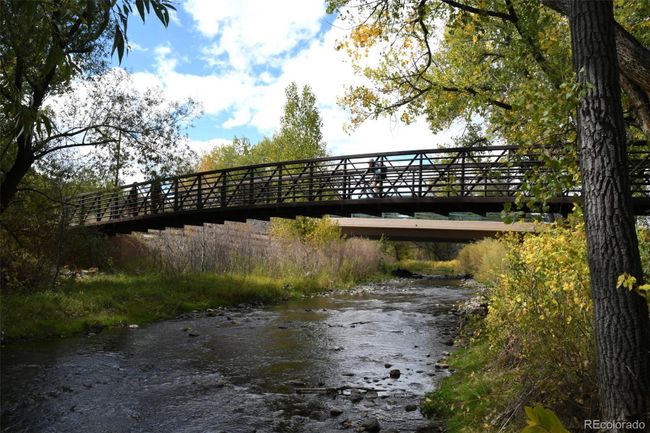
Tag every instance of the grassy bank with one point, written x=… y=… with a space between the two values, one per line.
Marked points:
x=477 y=396
x=120 y=299
x=431 y=267
x=112 y=300
x=161 y=275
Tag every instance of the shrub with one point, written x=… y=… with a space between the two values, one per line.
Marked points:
x=432 y=267
x=540 y=313
x=536 y=343
x=482 y=259
x=23 y=270
x=317 y=231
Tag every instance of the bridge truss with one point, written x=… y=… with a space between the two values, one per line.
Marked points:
x=479 y=179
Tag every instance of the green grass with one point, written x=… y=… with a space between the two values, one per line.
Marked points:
x=471 y=399
x=109 y=300
x=431 y=267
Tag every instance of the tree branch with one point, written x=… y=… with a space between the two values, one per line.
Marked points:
x=81 y=130
x=421 y=91
x=534 y=48
x=633 y=57
x=50 y=198
x=474 y=92
x=72 y=145
x=473 y=10
x=425 y=33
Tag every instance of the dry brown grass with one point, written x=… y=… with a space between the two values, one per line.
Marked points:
x=245 y=250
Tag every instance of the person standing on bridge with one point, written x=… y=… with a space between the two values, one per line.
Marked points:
x=373 y=180
x=133 y=199
x=157 y=199
x=377 y=170
x=381 y=173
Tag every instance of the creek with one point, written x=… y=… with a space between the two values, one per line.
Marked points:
x=318 y=364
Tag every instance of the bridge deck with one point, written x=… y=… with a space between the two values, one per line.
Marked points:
x=428 y=230
x=439 y=180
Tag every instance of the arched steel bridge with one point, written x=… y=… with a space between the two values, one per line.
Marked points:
x=475 y=180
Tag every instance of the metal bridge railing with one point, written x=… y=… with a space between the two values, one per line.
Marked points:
x=495 y=171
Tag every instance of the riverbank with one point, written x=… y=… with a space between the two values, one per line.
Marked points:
x=445 y=268
x=535 y=344
x=479 y=389
x=95 y=301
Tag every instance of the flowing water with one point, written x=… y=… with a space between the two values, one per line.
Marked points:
x=318 y=364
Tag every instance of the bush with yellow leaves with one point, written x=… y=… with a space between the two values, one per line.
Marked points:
x=539 y=320
x=536 y=343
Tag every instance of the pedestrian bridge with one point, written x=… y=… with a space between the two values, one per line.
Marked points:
x=477 y=179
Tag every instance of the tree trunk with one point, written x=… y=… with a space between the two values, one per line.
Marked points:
x=23 y=162
x=620 y=316
x=633 y=61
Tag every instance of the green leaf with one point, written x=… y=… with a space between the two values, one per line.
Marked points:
x=54 y=57
x=542 y=420
x=161 y=13
x=140 y=5
x=626 y=281
x=118 y=43
x=166 y=14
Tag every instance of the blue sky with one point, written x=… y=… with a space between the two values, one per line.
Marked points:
x=236 y=58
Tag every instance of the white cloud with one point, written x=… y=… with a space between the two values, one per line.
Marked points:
x=134 y=46
x=174 y=18
x=256 y=100
x=241 y=117
x=327 y=71
x=217 y=93
x=252 y=33
x=201 y=147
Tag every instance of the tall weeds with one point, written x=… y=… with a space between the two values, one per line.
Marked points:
x=245 y=249
x=483 y=260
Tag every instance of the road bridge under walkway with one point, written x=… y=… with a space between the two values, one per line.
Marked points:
x=403 y=229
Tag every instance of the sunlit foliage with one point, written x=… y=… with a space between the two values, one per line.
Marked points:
x=299 y=137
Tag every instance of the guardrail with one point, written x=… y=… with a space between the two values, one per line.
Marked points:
x=495 y=171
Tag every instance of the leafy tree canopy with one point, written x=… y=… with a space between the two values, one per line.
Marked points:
x=299 y=137
x=506 y=62
x=44 y=45
x=121 y=130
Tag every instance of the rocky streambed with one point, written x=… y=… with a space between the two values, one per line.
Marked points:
x=350 y=361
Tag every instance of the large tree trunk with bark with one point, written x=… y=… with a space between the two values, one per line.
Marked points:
x=620 y=315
